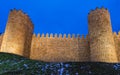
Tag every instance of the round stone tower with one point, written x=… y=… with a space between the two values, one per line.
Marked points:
x=18 y=34
x=102 y=46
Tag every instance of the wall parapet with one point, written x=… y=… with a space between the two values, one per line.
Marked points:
x=98 y=10
x=116 y=34
x=64 y=36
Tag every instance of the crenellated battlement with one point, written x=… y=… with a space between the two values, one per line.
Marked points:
x=64 y=36
x=99 y=15
x=98 y=11
x=116 y=35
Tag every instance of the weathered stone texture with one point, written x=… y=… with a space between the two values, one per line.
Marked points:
x=59 y=49
x=17 y=34
x=1 y=37
x=102 y=46
x=84 y=53
x=117 y=44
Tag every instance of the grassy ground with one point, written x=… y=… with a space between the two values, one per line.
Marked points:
x=17 y=65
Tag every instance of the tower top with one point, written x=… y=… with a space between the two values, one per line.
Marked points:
x=14 y=12
x=98 y=10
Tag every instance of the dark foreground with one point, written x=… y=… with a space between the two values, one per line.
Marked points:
x=16 y=65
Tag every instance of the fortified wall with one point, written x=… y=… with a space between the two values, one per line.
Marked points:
x=59 y=48
x=100 y=45
x=117 y=44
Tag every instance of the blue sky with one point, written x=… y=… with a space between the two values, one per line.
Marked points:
x=60 y=16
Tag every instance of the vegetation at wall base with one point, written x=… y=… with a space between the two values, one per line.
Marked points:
x=11 y=64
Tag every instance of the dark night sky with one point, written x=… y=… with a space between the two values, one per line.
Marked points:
x=59 y=16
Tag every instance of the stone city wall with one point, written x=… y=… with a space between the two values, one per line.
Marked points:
x=59 y=49
x=101 y=46
x=117 y=44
